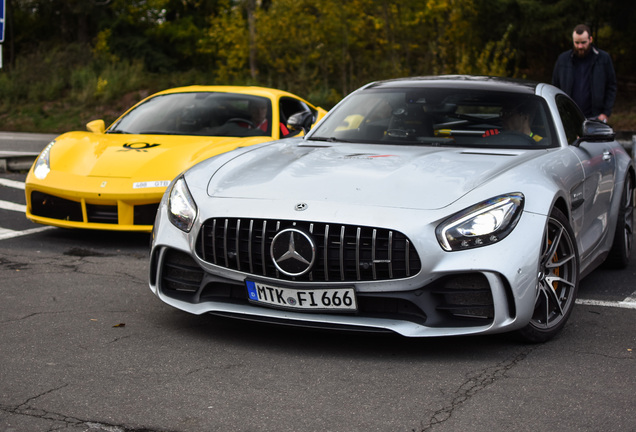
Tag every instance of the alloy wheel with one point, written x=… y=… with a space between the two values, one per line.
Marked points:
x=558 y=277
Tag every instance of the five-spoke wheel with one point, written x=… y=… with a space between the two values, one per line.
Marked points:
x=557 y=281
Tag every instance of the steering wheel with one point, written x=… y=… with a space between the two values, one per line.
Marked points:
x=241 y=120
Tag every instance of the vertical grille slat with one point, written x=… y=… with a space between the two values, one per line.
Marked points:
x=237 y=244
x=311 y=231
x=373 y=254
x=342 y=244
x=390 y=253
x=263 y=236
x=225 y=240
x=325 y=248
x=249 y=246
x=346 y=253
x=213 y=236
x=358 y=253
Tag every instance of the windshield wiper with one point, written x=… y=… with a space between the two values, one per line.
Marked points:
x=117 y=132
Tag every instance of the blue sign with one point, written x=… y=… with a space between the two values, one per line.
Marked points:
x=2 y=3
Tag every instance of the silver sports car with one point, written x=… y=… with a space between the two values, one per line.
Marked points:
x=430 y=206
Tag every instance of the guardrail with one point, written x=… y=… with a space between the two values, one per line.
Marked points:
x=16 y=161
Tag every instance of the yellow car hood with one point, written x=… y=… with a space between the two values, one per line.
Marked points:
x=132 y=156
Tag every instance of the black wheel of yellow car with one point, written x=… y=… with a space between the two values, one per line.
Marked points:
x=623 y=236
x=558 y=281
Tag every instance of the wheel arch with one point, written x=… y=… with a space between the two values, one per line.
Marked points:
x=562 y=205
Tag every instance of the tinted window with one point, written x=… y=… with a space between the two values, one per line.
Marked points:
x=571 y=117
x=290 y=106
x=199 y=113
x=440 y=116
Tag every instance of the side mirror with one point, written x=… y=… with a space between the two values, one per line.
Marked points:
x=301 y=120
x=594 y=130
x=96 y=126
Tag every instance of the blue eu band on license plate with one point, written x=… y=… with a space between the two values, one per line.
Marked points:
x=332 y=299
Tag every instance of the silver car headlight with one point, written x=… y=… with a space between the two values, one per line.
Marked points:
x=181 y=207
x=42 y=165
x=482 y=224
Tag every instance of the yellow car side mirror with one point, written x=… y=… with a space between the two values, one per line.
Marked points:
x=96 y=126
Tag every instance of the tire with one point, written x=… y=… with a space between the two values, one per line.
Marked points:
x=558 y=281
x=623 y=236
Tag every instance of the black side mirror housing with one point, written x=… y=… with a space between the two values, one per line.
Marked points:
x=595 y=130
x=301 y=120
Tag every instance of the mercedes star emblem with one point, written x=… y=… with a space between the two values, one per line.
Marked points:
x=293 y=252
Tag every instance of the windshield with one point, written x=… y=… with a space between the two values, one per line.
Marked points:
x=199 y=113
x=440 y=116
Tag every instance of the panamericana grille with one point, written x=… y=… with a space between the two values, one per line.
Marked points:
x=344 y=253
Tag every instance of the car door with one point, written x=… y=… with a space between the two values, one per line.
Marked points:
x=599 y=166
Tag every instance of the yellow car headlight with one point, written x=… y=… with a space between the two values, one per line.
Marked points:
x=42 y=165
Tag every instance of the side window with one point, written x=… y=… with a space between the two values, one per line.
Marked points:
x=571 y=117
x=289 y=107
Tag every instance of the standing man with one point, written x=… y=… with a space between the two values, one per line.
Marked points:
x=586 y=74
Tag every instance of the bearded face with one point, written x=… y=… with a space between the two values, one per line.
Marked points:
x=582 y=43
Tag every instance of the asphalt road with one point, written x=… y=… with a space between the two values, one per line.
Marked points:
x=85 y=346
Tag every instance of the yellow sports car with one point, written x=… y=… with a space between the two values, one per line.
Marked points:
x=113 y=179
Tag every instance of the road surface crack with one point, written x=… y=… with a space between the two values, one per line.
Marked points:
x=62 y=421
x=471 y=387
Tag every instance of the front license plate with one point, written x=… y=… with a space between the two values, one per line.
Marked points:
x=331 y=299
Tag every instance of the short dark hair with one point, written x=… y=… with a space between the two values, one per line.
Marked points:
x=582 y=28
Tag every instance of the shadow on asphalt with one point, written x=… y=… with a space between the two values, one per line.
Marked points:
x=210 y=329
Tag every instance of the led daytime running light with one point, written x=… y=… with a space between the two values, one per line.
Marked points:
x=42 y=165
x=481 y=225
x=182 y=210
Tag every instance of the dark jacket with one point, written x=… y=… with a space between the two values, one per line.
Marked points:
x=603 y=79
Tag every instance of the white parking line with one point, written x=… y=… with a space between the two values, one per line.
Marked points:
x=8 y=205
x=628 y=303
x=12 y=183
x=7 y=233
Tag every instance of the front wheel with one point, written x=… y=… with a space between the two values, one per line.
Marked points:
x=558 y=281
